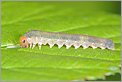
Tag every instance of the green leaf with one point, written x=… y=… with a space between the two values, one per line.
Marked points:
x=53 y=63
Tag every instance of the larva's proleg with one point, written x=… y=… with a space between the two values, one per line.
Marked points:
x=42 y=38
x=76 y=44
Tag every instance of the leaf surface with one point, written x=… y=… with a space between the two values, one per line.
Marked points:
x=53 y=63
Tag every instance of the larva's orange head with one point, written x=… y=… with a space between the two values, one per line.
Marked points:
x=23 y=41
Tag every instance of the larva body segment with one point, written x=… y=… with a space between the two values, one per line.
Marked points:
x=42 y=38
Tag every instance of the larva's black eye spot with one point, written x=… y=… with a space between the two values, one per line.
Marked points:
x=23 y=41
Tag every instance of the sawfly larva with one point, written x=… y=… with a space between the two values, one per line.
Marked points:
x=30 y=39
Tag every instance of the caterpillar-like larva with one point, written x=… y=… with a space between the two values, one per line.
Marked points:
x=42 y=38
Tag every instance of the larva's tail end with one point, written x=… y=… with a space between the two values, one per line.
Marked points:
x=109 y=44
x=112 y=47
x=23 y=42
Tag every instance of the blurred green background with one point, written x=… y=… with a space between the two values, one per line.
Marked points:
x=100 y=19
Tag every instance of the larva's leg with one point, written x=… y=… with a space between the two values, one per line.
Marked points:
x=40 y=45
x=44 y=41
x=102 y=47
x=30 y=42
x=27 y=46
x=51 y=43
x=85 y=45
x=33 y=46
x=60 y=43
x=68 y=44
x=76 y=45
x=93 y=46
